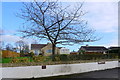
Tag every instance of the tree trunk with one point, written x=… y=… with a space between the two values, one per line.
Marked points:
x=53 y=51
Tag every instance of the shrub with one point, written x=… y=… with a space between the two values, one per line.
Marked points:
x=63 y=57
x=15 y=60
x=93 y=56
x=31 y=54
x=87 y=57
x=40 y=58
x=9 y=54
x=112 y=56
x=24 y=60
x=73 y=57
x=20 y=60
x=57 y=58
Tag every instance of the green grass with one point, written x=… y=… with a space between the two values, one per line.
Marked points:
x=8 y=60
x=52 y=63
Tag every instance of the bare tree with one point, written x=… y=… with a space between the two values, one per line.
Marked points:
x=1 y=45
x=35 y=42
x=9 y=47
x=21 y=45
x=58 y=24
x=26 y=48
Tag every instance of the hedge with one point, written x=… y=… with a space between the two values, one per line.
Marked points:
x=61 y=57
x=41 y=58
x=70 y=57
x=8 y=54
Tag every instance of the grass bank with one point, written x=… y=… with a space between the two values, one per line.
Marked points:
x=52 y=63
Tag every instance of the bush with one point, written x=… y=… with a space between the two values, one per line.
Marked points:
x=55 y=57
x=40 y=58
x=113 y=56
x=63 y=57
x=93 y=56
x=15 y=60
x=31 y=54
x=73 y=57
x=87 y=56
x=59 y=57
x=9 y=54
x=20 y=60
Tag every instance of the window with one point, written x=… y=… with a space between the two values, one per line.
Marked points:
x=36 y=52
x=49 y=51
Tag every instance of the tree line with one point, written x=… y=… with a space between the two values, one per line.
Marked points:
x=19 y=46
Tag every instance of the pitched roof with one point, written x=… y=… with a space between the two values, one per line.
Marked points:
x=94 y=48
x=114 y=48
x=37 y=46
x=59 y=47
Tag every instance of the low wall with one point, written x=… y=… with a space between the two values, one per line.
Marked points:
x=0 y=73
x=54 y=70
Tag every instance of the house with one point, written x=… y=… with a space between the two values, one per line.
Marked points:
x=63 y=50
x=114 y=50
x=42 y=49
x=46 y=49
x=36 y=48
x=93 y=49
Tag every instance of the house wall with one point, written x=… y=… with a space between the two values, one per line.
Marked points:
x=90 y=51
x=95 y=52
x=64 y=51
x=81 y=49
x=36 y=51
x=47 y=50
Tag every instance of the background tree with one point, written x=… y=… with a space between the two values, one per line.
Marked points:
x=26 y=48
x=35 y=42
x=9 y=47
x=2 y=45
x=21 y=45
x=56 y=23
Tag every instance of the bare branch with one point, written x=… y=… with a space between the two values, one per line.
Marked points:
x=58 y=24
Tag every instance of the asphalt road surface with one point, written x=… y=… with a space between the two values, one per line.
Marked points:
x=110 y=74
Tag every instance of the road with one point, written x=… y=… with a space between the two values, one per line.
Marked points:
x=111 y=74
